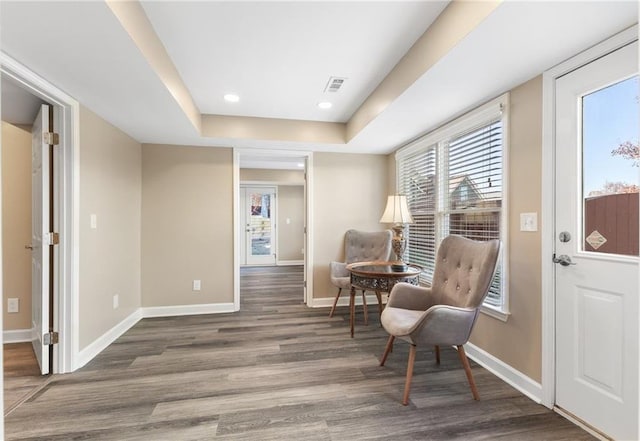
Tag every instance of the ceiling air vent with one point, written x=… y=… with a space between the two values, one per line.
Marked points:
x=334 y=84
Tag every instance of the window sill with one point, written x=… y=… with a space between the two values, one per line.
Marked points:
x=495 y=313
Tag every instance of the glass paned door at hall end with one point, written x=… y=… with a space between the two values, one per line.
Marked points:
x=260 y=225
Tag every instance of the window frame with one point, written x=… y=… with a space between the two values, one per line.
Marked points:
x=438 y=139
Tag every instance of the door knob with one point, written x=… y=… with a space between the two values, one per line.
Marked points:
x=563 y=260
x=28 y=247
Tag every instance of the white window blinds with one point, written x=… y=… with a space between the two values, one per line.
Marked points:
x=453 y=179
x=473 y=200
x=417 y=174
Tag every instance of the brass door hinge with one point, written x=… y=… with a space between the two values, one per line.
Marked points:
x=53 y=238
x=50 y=338
x=51 y=138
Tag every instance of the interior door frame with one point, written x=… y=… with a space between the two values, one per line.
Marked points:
x=66 y=198
x=548 y=199
x=238 y=153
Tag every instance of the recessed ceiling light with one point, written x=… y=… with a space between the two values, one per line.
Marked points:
x=325 y=105
x=231 y=98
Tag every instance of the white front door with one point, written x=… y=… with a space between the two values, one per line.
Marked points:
x=260 y=228
x=40 y=228
x=596 y=243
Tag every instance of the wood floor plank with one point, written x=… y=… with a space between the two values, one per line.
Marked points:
x=276 y=370
x=21 y=373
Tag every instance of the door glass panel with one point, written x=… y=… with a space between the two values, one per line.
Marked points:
x=610 y=164
x=260 y=224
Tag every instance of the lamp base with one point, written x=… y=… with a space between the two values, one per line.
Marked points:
x=398 y=243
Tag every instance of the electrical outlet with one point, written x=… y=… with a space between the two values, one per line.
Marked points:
x=196 y=285
x=116 y=301
x=13 y=305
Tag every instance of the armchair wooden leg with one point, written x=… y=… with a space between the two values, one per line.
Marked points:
x=467 y=370
x=387 y=349
x=335 y=302
x=364 y=306
x=407 y=383
x=437 y=354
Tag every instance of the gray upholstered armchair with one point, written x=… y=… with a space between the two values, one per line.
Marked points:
x=445 y=313
x=359 y=246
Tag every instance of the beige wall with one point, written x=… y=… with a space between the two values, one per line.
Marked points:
x=391 y=171
x=267 y=175
x=349 y=191
x=16 y=224
x=291 y=234
x=518 y=341
x=110 y=188
x=187 y=225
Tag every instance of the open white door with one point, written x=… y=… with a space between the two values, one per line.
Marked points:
x=40 y=228
x=596 y=244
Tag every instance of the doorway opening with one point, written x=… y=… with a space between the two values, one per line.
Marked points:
x=19 y=112
x=272 y=228
x=21 y=87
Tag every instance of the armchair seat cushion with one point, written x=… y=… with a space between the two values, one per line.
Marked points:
x=399 y=321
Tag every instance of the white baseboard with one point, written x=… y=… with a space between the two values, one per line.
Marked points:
x=511 y=376
x=168 y=311
x=327 y=302
x=290 y=262
x=101 y=343
x=16 y=336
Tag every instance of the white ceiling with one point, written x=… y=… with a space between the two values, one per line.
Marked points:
x=278 y=56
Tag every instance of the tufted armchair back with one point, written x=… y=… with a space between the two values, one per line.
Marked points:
x=464 y=271
x=361 y=246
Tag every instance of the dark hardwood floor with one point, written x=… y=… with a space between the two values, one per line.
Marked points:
x=276 y=370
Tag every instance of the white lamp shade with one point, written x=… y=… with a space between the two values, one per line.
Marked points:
x=396 y=211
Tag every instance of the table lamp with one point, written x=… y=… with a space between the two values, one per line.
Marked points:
x=397 y=213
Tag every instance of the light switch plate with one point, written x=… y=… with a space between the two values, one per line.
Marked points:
x=528 y=221
x=196 y=285
x=116 y=301
x=94 y=221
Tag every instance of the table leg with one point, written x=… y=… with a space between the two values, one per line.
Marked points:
x=364 y=306
x=379 y=296
x=352 y=308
